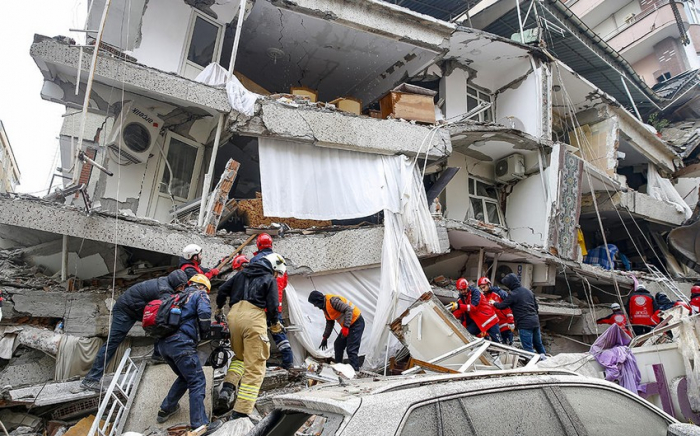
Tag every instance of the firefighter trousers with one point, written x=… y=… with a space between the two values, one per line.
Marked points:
x=251 y=348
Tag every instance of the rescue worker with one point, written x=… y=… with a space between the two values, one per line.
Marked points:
x=126 y=311
x=641 y=307
x=264 y=244
x=524 y=305
x=253 y=301
x=695 y=298
x=616 y=317
x=665 y=303
x=179 y=351
x=352 y=324
x=191 y=262
x=506 y=323
x=475 y=312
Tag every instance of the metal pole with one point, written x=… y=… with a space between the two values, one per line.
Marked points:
x=494 y=265
x=64 y=259
x=622 y=78
x=88 y=90
x=237 y=37
x=210 y=172
x=481 y=263
x=520 y=23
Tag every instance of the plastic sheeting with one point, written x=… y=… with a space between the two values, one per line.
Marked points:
x=239 y=97
x=662 y=189
x=612 y=352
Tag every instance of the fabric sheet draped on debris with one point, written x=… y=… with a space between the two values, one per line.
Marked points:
x=305 y=181
x=611 y=351
x=239 y=97
x=663 y=190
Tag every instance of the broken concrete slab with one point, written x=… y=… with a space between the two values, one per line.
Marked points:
x=49 y=394
x=154 y=386
x=31 y=367
x=13 y=420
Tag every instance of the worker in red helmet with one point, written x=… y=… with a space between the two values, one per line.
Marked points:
x=264 y=244
x=695 y=298
x=239 y=262
x=475 y=312
x=506 y=323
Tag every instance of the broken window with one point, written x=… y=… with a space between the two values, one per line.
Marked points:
x=483 y=199
x=179 y=175
x=202 y=46
x=474 y=98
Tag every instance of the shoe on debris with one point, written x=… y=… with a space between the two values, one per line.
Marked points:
x=164 y=416
x=236 y=415
x=222 y=403
x=87 y=385
x=213 y=426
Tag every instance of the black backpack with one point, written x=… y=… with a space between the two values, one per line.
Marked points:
x=162 y=318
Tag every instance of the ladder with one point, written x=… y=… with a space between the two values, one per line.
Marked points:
x=120 y=394
x=665 y=281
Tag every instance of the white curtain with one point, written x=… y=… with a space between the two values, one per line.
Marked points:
x=662 y=189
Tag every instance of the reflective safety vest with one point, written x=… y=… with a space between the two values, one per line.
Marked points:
x=641 y=310
x=505 y=316
x=332 y=314
x=192 y=265
x=483 y=315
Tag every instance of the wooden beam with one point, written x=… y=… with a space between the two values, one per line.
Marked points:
x=689 y=171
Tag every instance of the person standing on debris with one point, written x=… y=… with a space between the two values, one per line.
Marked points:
x=352 y=325
x=180 y=353
x=524 y=305
x=616 y=317
x=641 y=307
x=191 y=262
x=695 y=298
x=264 y=244
x=126 y=311
x=506 y=323
x=665 y=303
x=253 y=299
x=475 y=312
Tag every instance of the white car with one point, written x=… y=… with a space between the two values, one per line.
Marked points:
x=497 y=403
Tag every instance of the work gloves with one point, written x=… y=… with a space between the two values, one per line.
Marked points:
x=345 y=331
x=324 y=344
x=219 y=316
x=276 y=328
x=214 y=272
x=204 y=329
x=452 y=306
x=511 y=327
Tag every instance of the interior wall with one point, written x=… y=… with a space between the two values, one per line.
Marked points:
x=598 y=144
x=511 y=110
x=456 y=198
x=449 y=265
x=689 y=189
x=527 y=211
x=453 y=88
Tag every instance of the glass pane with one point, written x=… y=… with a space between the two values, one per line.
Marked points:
x=181 y=158
x=477 y=209
x=484 y=190
x=492 y=213
x=471 y=91
x=471 y=187
x=485 y=97
x=422 y=421
x=203 y=42
x=454 y=419
x=530 y=414
x=604 y=412
x=471 y=103
x=488 y=114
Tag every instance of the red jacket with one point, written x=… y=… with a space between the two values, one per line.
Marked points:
x=505 y=316
x=656 y=317
x=695 y=302
x=478 y=309
x=641 y=308
x=193 y=266
x=281 y=286
x=617 y=317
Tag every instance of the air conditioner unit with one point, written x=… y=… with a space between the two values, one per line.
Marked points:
x=510 y=168
x=134 y=132
x=522 y=270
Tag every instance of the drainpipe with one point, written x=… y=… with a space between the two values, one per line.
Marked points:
x=88 y=90
x=220 y=125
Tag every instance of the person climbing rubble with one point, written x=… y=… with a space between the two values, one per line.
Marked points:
x=641 y=307
x=191 y=262
x=253 y=299
x=180 y=353
x=506 y=323
x=525 y=311
x=352 y=325
x=475 y=312
x=616 y=317
x=126 y=311
x=695 y=297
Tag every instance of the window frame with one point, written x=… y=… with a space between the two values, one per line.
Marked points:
x=184 y=62
x=470 y=212
x=194 y=182
x=478 y=91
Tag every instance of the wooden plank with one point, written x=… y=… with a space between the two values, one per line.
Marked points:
x=433 y=367
x=216 y=204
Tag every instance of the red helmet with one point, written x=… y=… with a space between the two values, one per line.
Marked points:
x=462 y=284
x=263 y=241
x=695 y=289
x=238 y=261
x=483 y=281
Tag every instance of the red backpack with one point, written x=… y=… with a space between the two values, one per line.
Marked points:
x=162 y=318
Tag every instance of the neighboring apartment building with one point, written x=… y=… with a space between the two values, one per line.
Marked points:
x=9 y=171
x=525 y=154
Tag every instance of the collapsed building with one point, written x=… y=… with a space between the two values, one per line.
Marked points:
x=338 y=127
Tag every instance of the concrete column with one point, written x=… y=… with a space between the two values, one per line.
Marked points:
x=64 y=259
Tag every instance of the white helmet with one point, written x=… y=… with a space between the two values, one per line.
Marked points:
x=191 y=250
x=277 y=263
x=615 y=306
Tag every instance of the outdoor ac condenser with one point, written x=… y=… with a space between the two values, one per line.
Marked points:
x=522 y=270
x=510 y=168
x=135 y=131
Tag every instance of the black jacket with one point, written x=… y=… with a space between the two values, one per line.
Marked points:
x=522 y=302
x=134 y=300
x=255 y=284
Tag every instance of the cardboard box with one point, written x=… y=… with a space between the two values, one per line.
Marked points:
x=312 y=94
x=348 y=104
x=409 y=102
